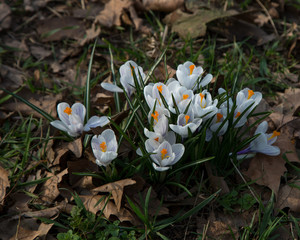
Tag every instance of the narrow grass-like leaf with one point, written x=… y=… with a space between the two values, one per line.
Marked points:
x=34 y=182
x=137 y=211
x=35 y=108
x=154 y=66
x=88 y=85
x=180 y=186
x=147 y=199
x=7 y=97
x=50 y=221
x=116 y=95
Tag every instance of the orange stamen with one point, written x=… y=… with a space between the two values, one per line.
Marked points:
x=187 y=117
x=191 y=69
x=103 y=147
x=219 y=117
x=237 y=115
x=250 y=94
x=132 y=70
x=156 y=139
x=155 y=115
x=160 y=88
x=275 y=134
x=185 y=96
x=68 y=111
x=164 y=153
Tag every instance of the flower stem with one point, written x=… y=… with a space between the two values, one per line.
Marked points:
x=162 y=176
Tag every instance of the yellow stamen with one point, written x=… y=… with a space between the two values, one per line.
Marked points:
x=103 y=147
x=185 y=96
x=219 y=117
x=250 y=94
x=155 y=116
x=160 y=88
x=187 y=117
x=164 y=153
x=156 y=139
x=237 y=115
x=68 y=111
x=191 y=69
x=275 y=134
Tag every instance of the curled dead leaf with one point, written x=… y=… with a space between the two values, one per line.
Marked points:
x=4 y=183
x=289 y=196
x=162 y=5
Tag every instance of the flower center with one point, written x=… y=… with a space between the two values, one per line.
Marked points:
x=202 y=96
x=160 y=88
x=191 y=69
x=155 y=116
x=185 y=96
x=250 y=94
x=275 y=134
x=237 y=115
x=186 y=117
x=103 y=147
x=164 y=153
x=219 y=117
x=156 y=139
x=68 y=111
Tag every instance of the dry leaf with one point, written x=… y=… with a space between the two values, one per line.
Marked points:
x=56 y=29
x=161 y=74
x=116 y=189
x=4 y=183
x=5 y=16
x=75 y=147
x=194 y=25
x=110 y=209
x=289 y=196
x=28 y=234
x=39 y=52
x=90 y=34
x=10 y=78
x=267 y=170
x=47 y=212
x=163 y=5
x=50 y=190
x=110 y=15
x=261 y=19
x=33 y=5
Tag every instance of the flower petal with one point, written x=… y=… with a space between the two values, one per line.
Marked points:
x=96 y=121
x=60 y=125
x=111 y=87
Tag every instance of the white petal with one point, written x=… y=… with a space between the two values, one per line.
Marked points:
x=111 y=87
x=262 y=127
x=96 y=121
x=79 y=110
x=159 y=169
x=60 y=125
x=206 y=80
x=178 y=150
x=61 y=114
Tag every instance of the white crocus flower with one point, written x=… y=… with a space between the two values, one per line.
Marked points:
x=217 y=121
x=203 y=105
x=153 y=92
x=72 y=119
x=248 y=95
x=240 y=109
x=263 y=143
x=189 y=76
x=165 y=155
x=185 y=122
x=126 y=78
x=105 y=147
x=181 y=95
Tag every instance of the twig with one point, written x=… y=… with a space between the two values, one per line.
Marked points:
x=269 y=16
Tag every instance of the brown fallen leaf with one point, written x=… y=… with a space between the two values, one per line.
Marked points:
x=49 y=190
x=39 y=52
x=162 y=5
x=267 y=170
x=4 y=183
x=92 y=205
x=116 y=189
x=10 y=78
x=47 y=212
x=45 y=102
x=33 y=5
x=163 y=73
x=5 y=16
x=90 y=34
x=194 y=25
x=56 y=29
x=289 y=196
x=75 y=147
x=28 y=234
x=110 y=15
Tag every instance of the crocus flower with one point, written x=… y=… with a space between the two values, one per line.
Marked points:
x=263 y=143
x=165 y=155
x=248 y=95
x=217 y=121
x=153 y=92
x=105 y=147
x=72 y=119
x=185 y=122
x=126 y=78
x=189 y=76
x=203 y=105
